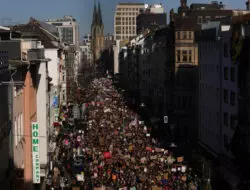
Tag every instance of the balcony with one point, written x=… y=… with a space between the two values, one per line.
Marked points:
x=36 y=54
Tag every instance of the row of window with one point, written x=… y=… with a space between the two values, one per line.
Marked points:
x=127 y=13
x=126 y=32
x=184 y=35
x=125 y=18
x=229 y=121
x=232 y=73
x=130 y=23
x=232 y=97
x=18 y=122
x=183 y=56
x=127 y=9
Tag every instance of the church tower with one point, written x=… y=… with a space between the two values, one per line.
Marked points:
x=97 y=30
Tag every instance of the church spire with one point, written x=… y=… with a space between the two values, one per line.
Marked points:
x=99 y=14
x=94 y=19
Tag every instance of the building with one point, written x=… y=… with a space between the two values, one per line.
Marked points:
x=187 y=23
x=86 y=39
x=29 y=74
x=68 y=29
x=86 y=51
x=223 y=91
x=5 y=117
x=97 y=33
x=108 y=54
x=125 y=20
x=152 y=16
x=108 y=41
x=145 y=68
x=240 y=56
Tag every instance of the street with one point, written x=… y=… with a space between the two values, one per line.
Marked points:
x=112 y=148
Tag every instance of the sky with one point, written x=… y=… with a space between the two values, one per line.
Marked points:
x=16 y=11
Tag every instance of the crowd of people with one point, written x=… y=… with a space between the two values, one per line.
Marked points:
x=114 y=148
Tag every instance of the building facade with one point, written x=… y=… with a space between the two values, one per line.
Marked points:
x=68 y=29
x=5 y=111
x=125 y=20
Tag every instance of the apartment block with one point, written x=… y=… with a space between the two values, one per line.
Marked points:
x=125 y=20
x=68 y=29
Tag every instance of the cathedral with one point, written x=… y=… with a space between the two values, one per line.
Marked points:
x=97 y=30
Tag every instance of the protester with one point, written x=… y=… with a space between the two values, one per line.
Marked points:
x=116 y=150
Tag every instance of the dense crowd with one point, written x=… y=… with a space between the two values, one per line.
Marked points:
x=115 y=150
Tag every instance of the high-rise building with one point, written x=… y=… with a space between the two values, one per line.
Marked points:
x=97 y=29
x=125 y=20
x=68 y=29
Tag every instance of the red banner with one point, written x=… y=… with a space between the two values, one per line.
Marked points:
x=107 y=155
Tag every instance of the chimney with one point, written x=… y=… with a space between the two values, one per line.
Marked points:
x=248 y=5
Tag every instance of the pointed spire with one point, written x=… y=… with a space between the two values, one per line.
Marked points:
x=99 y=13
x=94 y=14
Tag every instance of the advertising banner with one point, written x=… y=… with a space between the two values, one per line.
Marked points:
x=35 y=153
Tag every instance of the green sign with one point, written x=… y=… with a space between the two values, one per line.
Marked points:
x=35 y=153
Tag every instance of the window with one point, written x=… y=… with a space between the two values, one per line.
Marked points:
x=199 y=19
x=179 y=102
x=232 y=74
x=63 y=95
x=21 y=125
x=16 y=132
x=190 y=101
x=232 y=98
x=190 y=56
x=184 y=56
x=190 y=35
x=63 y=77
x=178 y=56
x=225 y=118
x=225 y=50
x=225 y=140
x=225 y=73
x=178 y=35
x=232 y=122
x=184 y=102
x=184 y=35
x=225 y=96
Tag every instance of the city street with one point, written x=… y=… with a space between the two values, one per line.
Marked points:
x=113 y=149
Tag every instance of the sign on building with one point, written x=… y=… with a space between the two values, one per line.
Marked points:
x=165 y=119
x=56 y=114
x=35 y=152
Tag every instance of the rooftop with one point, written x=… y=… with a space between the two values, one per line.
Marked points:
x=34 y=30
x=65 y=18
x=2 y=28
x=132 y=4
x=203 y=6
x=186 y=23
